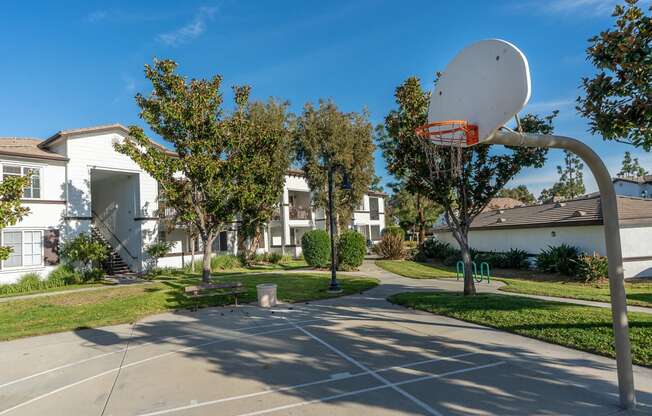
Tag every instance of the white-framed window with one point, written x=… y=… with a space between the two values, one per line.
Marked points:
x=27 y=248
x=33 y=190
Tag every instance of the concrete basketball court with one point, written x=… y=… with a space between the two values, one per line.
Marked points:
x=357 y=355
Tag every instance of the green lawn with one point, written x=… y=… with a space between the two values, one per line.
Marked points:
x=122 y=304
x=582 y=327
x=639 y=293
x=414 y=270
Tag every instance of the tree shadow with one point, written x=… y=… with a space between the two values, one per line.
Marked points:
x=378 y=335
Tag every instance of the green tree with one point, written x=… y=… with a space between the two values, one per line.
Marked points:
x=618 y=99
x=11 y=211
x=520 y=193
x=631 y=167
x=571 y=179
x=400 y=124
x=201 y=180
x=266 y=161
x=414 y=213
x=462 y=189
x=326 y=137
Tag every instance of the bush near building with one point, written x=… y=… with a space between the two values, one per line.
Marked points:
x=351 y=248
x=316 y=248
x=391 y=247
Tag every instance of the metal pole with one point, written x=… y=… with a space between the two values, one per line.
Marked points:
x=609 y=205
x=334 y=286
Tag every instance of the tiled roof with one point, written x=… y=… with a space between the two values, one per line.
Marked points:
x=634 y=179
x=586 y=211
x=26 y=147
x=503 y=203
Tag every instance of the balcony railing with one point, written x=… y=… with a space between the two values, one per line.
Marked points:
x=300 y=213
x=374 y=215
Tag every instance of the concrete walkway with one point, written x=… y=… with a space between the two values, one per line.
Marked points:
x=354 y=355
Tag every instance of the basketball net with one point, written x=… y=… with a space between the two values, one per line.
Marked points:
x=443 y=144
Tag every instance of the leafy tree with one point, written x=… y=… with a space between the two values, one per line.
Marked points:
x=11 y=211
x=631 y=167
x=375 y=185
x=415 y=213
x=201 y=181
x=326 y=137
x=520 y=193
x=618 y=98
x=463 y=192
x=265 y=162
x=401 y=124
x=571 y=179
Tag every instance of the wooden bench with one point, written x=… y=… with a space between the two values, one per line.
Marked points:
x=215 y=289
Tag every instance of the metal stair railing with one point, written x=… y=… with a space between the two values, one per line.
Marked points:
x=116 y=244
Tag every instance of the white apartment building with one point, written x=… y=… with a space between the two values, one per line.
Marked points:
x=81 y=184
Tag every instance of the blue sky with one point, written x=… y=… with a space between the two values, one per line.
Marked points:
x=75 y=64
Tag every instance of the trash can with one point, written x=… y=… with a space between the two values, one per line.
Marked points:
x=266 y=295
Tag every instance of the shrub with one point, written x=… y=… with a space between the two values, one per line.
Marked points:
x=559 y=259
x=351 y=248
x=84 y=252
x=592 y=268
x=276 y=258
x=394 y=230
x=435 y=249
x=224 y=262
x=391 y=247
x=451 y=260
x=316 y=248
x=158 y=249
x=30 y=279
x=516 y=259
x=66 y=275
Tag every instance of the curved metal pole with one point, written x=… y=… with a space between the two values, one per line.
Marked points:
x=609 y=206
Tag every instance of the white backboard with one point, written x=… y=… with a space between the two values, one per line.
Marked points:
x=486 y=84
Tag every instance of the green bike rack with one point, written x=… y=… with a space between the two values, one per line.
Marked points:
x=484 y=271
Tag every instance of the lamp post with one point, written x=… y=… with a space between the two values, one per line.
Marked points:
x=334 y=286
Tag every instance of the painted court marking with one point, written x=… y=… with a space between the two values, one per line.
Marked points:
x=363 y=367
x=341 y=376
x=380 y=387
x=154 y=357
x=121 y=350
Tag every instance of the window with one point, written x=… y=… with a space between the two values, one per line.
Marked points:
x=33 y=190
x=27 y=248
x=375 y=232
x=373 y=209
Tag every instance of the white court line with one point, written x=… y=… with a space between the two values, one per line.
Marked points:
x=96 y=357
x=377 y=376
x=380 y=387
x=154 y=357
x=308 y=384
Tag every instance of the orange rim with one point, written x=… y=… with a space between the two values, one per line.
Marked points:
x=445 y=131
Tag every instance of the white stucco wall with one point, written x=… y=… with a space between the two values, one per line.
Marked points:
x=46 y=212
x=628 y=188
x=636 y=242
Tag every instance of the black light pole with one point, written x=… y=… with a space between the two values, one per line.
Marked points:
x=334 y=286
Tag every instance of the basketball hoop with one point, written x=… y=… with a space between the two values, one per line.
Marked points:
x=449 y=133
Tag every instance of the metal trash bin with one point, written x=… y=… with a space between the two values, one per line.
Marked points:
x=266 y=295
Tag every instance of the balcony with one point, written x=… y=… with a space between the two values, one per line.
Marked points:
x=374 y=215
x=300 y=213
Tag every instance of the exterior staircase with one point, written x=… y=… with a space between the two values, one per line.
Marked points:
x=113 y=265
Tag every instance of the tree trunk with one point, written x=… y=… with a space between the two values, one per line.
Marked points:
x=207 y=241
x=463 y=241
x=192 y=254
x=421 y=219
